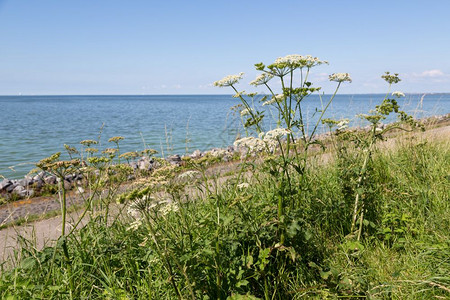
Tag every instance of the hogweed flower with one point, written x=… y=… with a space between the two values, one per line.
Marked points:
x=88 y=143
x=251 y=143
x=91 y=150
x=340 y=77
x=262 y=79
x=342 y=124
x=110 y=151
x=115 y=139
x=398 y=94
x=391 y=78
x=70 y=150
x=243 y=185
x=294 y=61
x=188 y=174
x=229 y=80
x=275 y=134
x=245 y=112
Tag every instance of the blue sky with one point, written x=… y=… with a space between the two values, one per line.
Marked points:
x=181 y=47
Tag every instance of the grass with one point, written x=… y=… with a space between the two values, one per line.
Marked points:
x=226 y=243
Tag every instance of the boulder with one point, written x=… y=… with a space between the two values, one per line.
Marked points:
x=50 y=179
x=196 y=154
x=4 y=184
x=174 y=159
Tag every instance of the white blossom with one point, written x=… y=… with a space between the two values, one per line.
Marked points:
x=262 y=79
x=252 y=144
x=342 y=124
x=340 y=77
x=299 y=61
x=188 y=174
x=243 y=185
x=398 y=94
x=229 y=80
x=245 y=112
x=277 y=98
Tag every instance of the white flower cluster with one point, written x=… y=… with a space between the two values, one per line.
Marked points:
x=261 y=79
x=275 y=134
x=342 y=124
x=229 y=80
x=299 y=61
x=169 y=207
x=188 y=174
x=266 y=141
x=245 y=112
x=243 y=185
x=220 y=153
x=252 y=144
x=271 y=138
x=277 y=98
x=340 y=77
x=398 y=94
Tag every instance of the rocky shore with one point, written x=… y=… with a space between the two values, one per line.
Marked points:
x=29 y=186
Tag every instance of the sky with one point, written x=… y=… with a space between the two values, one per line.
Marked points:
x=138 y=47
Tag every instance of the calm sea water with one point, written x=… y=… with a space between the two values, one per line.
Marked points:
x=33 y=127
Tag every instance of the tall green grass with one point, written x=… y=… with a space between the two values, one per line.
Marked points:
x=226 y=244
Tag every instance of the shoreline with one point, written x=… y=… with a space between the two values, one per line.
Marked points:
x=29 y=187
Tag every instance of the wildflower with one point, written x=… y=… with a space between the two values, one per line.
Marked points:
x=398 y=94
x=243 y=185
x=262 y=79
x=115 y=139
x=110 y=151
x=277 y=98
x=188 y=174
x=245 y=112
x=129 y=155
x=251 y=143
x=340 y=77
x=275 y=134
x=229 y=80
x=391 y=78
x=88 y=143
x=342 y=124
x=219 y=153
x=148 y=152
x=169 y=207
x=70 y=150
x=91 y=150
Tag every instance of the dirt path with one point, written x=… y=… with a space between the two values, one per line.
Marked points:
x=43 y=232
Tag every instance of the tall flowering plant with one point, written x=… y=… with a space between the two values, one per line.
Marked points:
x=291 y=139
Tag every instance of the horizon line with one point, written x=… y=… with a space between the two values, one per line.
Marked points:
x=56 y=95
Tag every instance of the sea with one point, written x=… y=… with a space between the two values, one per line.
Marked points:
x=34 y=127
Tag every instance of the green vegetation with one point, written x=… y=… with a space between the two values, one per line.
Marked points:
x=301 y=218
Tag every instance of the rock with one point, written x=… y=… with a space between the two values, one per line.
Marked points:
x=147 y=164
x=25 y=182
x=11 y=187
x=4 y=184
x=174 y=159
x=50 y=179
x=39 y=183
x=19 y=190
x=69 y=177
x=196 y=154
x=134 y=165
x=22 y=192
